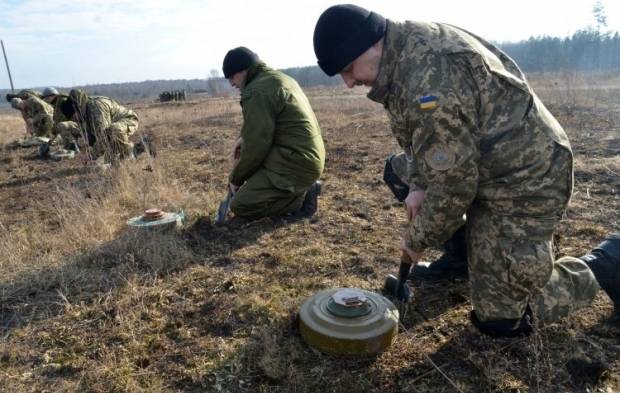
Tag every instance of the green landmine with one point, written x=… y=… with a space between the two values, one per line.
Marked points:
x=348 y=322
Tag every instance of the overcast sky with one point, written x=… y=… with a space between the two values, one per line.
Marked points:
x=76 y=42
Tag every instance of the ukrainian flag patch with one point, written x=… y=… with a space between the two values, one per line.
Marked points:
x=428 y=102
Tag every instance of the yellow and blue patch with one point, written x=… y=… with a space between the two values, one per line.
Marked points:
x=428 y=102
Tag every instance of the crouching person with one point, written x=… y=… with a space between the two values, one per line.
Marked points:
x=37 y=114
x=105 y=124
x=280 y=154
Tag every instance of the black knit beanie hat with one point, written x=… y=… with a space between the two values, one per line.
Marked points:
x=238 y=59
x=342 y=33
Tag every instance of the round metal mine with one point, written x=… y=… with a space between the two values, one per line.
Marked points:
x=157 y=219
x=348 y=321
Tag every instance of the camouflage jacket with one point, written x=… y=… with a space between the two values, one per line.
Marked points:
x=473 y=130
x=36 y=106
x=97 y=113
x=27 y=93
x=280 y=131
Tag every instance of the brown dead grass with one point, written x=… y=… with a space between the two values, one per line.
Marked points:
x=89 y=306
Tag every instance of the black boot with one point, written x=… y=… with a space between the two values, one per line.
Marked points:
x=523 y=326
x=604 y=261
x=311 y=202
x=451 y=265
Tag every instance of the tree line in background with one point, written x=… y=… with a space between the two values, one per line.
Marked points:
x=587 y=50
x=592 y=49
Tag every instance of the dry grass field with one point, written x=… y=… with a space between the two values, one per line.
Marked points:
x=87 y=305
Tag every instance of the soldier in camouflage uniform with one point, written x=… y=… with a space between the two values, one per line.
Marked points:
x=62 y=126
x=24 y=95
x=37 y=114
x=281 y=154
x=105 y=124
x=479 y=144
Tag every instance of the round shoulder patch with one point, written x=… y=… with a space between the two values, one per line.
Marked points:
x=440 y=158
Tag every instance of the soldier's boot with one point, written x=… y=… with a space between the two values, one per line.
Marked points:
x=523 y=326
x=310 y=204
x=311 y=200
x=604 y=261
x=452 y=265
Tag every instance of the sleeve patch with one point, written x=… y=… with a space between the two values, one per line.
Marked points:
x=428 y=102
x=440 y=158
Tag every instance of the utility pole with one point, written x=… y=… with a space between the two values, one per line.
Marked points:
x=6 y=61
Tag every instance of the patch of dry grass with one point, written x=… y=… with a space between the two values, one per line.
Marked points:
x=88 y=305
x=11 y=126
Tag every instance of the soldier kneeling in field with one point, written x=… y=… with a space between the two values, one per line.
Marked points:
x=36 y=113
x=279 y=156
x=481 y=150
x=67 y=147
x=105 y=124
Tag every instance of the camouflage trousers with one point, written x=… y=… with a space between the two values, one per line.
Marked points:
x=511 y=263
x=29 y=127
x=259 y=197
x=42 y=125
x=113 y=142
x=69 y=131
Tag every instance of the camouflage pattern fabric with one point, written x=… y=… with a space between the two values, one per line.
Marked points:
x=69 y=131
x=29 y=126
x=108 y=122
x=480 y=142
x=511 y=265
x=406 y=170
x=27 y=93
x=39 y=114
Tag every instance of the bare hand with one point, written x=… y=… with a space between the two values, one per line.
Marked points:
x=413 y=256
x=413 y=202
x=236 y=150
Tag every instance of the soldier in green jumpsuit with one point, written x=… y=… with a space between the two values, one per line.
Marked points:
x=281 y=156
x=481 y=145
x=105 y=124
